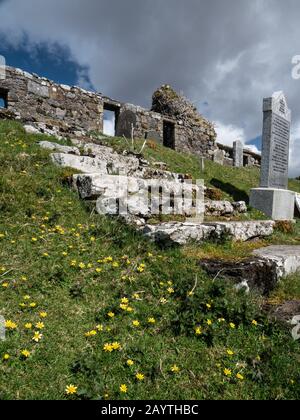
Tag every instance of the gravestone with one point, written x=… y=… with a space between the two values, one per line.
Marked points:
x=219 y=156
x=238 y=154
x=297 y=197
x=273 y=197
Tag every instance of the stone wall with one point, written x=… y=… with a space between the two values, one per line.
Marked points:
x=71 y=111
x=66 y=110
x=194 y=133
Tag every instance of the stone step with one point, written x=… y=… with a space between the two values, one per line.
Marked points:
x=177 y=233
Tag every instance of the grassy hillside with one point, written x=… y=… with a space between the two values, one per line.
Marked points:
x=234 y=183
x=90 y=303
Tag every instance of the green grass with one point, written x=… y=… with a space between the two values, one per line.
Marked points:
x=234 y=183
x=77 y=266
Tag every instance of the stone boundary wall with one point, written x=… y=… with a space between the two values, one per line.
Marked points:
x=250 y=158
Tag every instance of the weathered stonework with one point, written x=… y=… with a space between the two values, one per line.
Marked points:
x=64 y=111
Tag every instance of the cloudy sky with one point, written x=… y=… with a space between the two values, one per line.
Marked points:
x=225 y=55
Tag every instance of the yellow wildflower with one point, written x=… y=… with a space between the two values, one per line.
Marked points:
x=28 y=326
x=37 y=337
x=136 y=323
x=151 y=320
x=125 y=301
x=140 y=376
x=123 y=388
x=111 y=315
x=130 y=362
x=255 y=323
x=43 y=314
x=175 y=369
x=10 y=325
x=71 y=389
x=116 y=345
x=198 y=331
x=230 y=352
x=6 y=357
x=108 y=348
x=232 y=325
x=240 y=377
x=227 y=372
x=25 y=353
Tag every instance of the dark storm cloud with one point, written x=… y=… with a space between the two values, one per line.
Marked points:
x=228 y=53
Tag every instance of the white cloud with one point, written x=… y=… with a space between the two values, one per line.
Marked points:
x=295 y=152
x=109 y=125
x=128 y=53
x=227 y=134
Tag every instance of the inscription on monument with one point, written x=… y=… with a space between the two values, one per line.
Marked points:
x=276 y=139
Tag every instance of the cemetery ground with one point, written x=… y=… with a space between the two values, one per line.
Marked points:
x=90 y=303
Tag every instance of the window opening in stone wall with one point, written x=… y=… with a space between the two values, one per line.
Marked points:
x=3 y=98
x=110 y=120
x=169 y=134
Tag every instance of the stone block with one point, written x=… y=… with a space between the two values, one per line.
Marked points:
x=275 y=203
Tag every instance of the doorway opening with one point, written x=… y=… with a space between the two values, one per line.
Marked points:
x=3 y=98
x=110 y=119
x=169 y=134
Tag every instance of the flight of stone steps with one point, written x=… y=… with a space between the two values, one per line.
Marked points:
x=101 y=172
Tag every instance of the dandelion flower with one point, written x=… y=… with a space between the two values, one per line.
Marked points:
x=6 y=357
x=40 y=326
x=28 y=326
x=151 y=321
x=111 y=315
x=130 y=362
x=230 y=352
x=175 y=369
x=43 y=314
